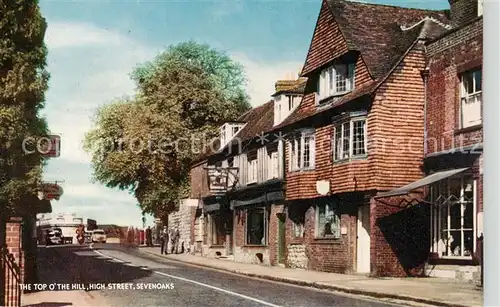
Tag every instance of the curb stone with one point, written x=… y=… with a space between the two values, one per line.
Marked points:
x=319 y=285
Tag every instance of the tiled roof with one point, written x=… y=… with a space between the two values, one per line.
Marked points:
x=302 y=113
x=384 y=35
x=375 y=30
x=258 y=120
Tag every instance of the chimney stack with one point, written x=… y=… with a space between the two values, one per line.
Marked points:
x=463 y=11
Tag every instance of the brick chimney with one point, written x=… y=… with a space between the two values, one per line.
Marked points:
x=463 y=11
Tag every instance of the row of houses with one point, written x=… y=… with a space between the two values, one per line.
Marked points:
x=369 y=162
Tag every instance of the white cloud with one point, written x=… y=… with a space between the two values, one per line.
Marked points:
x=93 y=75
x=90 y=192
x=70 y=34
x=262 y=76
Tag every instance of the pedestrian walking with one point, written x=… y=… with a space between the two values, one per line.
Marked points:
x=164 y=240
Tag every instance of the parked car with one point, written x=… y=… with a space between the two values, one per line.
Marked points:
x=98 y=236
x=54 y=237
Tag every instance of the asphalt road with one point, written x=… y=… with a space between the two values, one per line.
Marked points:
x=177 y=284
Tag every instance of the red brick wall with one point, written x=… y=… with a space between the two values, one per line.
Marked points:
x=273 y=234
x=447 y=58
x=13 y=242
x=327 y=255
x=239 y=225
x=462 y=11
x=399 y=237
x=199 y=183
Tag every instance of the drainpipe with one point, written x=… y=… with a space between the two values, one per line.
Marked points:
x=425 y=75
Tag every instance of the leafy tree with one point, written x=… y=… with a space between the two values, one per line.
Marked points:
x=23 y=82
x=182 y=97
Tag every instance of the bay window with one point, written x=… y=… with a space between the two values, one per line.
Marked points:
x=302 y=150
x=453 y=217
x=256 y=226
x=471 y=98
x=336 y=80
x=327 y=221
x=349 y=139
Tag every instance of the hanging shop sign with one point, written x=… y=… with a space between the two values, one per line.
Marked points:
x=52 y=191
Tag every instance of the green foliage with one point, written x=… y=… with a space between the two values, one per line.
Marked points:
x=183 y=96
x=23 y=82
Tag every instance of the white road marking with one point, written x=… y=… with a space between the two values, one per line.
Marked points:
x=218 y=289
x=264 y=303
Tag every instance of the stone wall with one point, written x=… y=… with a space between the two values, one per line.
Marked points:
x=249 y=255
x=297 y=258
x=183 y=220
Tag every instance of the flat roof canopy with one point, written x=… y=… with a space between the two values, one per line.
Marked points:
x=435 y=177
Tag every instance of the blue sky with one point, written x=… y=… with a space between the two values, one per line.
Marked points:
x=94 y=45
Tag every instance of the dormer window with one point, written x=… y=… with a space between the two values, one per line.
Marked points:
x=228 y=131
x=284 y=105
x=336 y=80
x=480 y=7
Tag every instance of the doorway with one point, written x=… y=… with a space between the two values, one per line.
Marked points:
x=363 y=239
x=281 y=238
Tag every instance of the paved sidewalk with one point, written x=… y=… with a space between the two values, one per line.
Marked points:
x=434 y=291
x=62 y=298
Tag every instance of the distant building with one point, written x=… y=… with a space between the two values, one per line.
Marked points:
x=67 y=222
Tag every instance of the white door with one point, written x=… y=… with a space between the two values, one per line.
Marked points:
x=363 y=242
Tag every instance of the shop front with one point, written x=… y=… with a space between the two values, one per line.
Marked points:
x=258 y=214
x=453 y=194
x=218 y=227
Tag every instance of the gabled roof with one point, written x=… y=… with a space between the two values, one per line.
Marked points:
x=375 y=31
x=408 y=37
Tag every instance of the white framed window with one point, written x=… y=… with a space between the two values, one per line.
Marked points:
x=349 y=139
x=302 y=151
x=252 y=168
x=273 y=165
x=471 y=98
x=298 y=230
x=452 y=218
x=336 y=80
x=327 y=220
x=291 y=102
x=256 y=226
x=235 y=130
x=480 y=7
